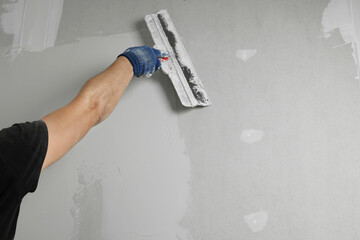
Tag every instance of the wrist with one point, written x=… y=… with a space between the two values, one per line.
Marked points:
x=123 y=61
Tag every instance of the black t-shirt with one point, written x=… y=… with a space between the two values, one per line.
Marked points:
x=22 y=152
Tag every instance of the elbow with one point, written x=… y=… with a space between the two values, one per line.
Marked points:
x=96 y=112
x=93 y=107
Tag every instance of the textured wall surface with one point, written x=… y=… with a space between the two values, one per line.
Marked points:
x=275 y=157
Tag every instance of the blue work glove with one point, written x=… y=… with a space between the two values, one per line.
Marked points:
x=145 y=60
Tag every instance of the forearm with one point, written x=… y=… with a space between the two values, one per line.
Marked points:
x=96 y=100
x=104 y=91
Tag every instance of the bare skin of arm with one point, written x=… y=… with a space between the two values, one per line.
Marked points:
x=94 y=103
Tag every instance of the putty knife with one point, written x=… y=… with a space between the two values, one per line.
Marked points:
x=178 y=66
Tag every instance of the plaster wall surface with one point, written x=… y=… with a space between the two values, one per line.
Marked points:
x=276 y=156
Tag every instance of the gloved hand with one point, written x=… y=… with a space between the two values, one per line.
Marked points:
x=145 y=60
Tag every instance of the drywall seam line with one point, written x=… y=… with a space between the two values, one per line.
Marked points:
x=23 y=23
x=47 y=24
x=18 y=42
x=355 y=45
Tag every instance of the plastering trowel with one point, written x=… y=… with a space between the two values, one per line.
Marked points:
x=178 y=66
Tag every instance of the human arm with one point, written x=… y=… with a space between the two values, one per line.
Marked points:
x=94 y=103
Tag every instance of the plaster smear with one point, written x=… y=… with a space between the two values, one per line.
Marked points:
x=343 y=15
x=87 y=212
x=256 y=221
x=245 y=54
x=251 y=136
x=34 y=24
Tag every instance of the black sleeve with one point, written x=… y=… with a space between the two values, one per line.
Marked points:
x=23 y=149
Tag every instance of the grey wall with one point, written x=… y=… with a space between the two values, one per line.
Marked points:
x=275 y=157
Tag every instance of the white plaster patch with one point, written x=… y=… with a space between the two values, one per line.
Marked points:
x=34 y=24
x=245 y=54
x=342 y=15
x=251 y=135
x=256 y=221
